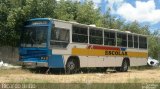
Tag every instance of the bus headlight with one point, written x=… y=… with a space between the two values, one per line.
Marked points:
x=44 y=58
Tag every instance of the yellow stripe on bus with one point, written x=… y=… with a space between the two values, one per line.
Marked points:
x=97 y=52
x=138 y=54
x=87 y=52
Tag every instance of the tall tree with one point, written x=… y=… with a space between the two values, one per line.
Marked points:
x=87 y=13
x=66 y=10
x=154 y=44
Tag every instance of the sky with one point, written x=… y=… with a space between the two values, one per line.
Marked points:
x=146 y=12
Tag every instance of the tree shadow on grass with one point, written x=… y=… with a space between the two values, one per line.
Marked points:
x=61 y=71
x=147 y=67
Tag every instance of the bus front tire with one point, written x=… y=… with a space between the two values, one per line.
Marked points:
x=124 y=67
x=72 y=66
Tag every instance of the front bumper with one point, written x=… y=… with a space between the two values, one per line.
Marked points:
x=34 y=64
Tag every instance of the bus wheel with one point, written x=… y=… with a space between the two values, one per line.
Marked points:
x=71 y=66
x=124 y=67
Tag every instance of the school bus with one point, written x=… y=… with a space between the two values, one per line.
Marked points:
x=53 y=43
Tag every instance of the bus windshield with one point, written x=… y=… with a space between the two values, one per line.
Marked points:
x=34 y=36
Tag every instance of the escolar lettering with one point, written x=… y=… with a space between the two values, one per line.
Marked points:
x=123 y=53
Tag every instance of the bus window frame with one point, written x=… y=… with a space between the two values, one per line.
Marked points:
x=115 y=40
x=122 y=33
x=53 y=27
x=37 y=25
x=141 y=41
x=102 y=35
x=135 y=35
x=81 y=28
x=129 y=34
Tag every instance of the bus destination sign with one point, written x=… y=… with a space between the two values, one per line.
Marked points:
x=39 y=23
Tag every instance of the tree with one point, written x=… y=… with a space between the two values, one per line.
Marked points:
x=87 y=14
x=154 y=44
x=14 y=12
x=42 y=8
x=106 y=19
x=66 y=10
x=5 y=6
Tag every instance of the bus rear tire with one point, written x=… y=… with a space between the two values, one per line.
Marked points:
x=124 y=67
x=72 y=66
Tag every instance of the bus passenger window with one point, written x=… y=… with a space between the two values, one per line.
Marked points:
x=80 y=34
x=135 y=41
x=121 y=39
x=109 y=38
x=130 y=40
x=59 y=38
x=142 y=42
x=96 y=36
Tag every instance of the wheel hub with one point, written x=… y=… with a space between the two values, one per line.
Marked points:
x=71 y=65
x=125 y=65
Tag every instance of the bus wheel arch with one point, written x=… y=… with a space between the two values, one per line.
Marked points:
x=124 y=66
x=72 y=65
x=127 y=59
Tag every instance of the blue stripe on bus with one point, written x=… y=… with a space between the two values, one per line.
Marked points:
x=33 y=60
x=123 y=49
x=37 y=25
x=40 y=19
x=56 y=61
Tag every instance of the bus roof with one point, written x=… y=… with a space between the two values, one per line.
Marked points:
x=40 y=19
x=85 y=25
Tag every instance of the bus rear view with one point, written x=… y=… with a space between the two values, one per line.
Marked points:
x=33 y=49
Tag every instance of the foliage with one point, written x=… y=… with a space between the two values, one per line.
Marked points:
x=86 y=14
x=154 y=44
x=14 y=12
x=66 y=10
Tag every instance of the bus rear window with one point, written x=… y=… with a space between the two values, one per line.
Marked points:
x=142 y=42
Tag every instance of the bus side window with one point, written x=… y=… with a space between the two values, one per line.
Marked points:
x=142 y=42
x=96 y=36
x=122 y=39
x=135 y=41
x=59 y=37
x=130 y=40
x=80 y=34
x=109 y=38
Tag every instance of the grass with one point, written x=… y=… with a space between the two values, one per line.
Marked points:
x=13 y=71
x=135 y=80
x=31 y=76
x=49 y=81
